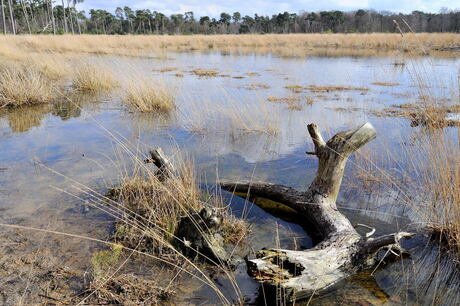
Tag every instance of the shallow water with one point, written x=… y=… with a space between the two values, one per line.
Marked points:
x=230 y=130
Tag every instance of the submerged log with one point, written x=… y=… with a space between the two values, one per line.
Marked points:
x=342 y=250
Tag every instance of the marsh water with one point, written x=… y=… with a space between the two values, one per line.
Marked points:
x=227 y=125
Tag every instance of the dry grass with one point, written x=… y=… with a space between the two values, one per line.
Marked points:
x=295 y=88
x=145 y=95
x=255 y=86
x=205 y=72
x=433 y=115
x=93 y=78
x=325 y=89
x=55 y=67
x=164 y=203
x=293 y=103
x=429 y=183
x=441 y=181
x=385 y=84
x=236 y=230
x=281 y=44
x=165 y=69
x=283 y=99
x=21 y=86
x=128 y=290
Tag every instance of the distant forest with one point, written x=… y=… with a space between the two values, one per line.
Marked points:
x=58 y=17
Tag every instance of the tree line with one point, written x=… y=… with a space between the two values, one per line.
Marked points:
x=58 y=17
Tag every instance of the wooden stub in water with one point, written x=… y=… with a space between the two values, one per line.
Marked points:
x=165 y=167
x=342 y=250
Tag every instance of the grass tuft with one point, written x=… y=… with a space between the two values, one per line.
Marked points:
x=144 y=95
x=159 y=206
x=205 y=72
x=92 y=78
x=24 y=86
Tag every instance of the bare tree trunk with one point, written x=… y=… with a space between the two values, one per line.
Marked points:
x=78 y=24
x=65 y=17
x=26 y=16
x=342 y=251
x=71 y=18
x=52 y=16
x=13 y=27
x=33 y=19
x=46 y=20
x=3 y=17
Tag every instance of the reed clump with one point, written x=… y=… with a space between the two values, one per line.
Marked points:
x=154 y=208
x=145 y=95
x=439 y=206
x=20 y=86
x=205 y=72
x=389 y=84
x=332 y=88
x=295 y=88
x=292 y=102
x=162 y=203
x=165 y=69
x=92 y=78
x=255 y=86
x=424 y=114
x=290 y=99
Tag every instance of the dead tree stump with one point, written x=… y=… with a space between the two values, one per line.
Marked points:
x=342 y=250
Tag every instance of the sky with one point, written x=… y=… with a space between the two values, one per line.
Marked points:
x=268 y=7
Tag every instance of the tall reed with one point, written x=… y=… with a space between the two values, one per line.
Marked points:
x=90 y=77
x=145 y=95
x=21 y=86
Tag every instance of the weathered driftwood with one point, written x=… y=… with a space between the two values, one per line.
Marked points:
x=165 y=167
x=342 y=251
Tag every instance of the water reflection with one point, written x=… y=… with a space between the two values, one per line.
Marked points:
x=22 y=119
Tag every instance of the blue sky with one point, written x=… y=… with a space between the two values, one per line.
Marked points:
x=269 y=7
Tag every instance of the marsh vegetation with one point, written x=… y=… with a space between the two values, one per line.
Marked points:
x=78 y=115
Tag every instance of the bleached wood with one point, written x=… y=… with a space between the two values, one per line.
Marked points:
x=342 y=251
